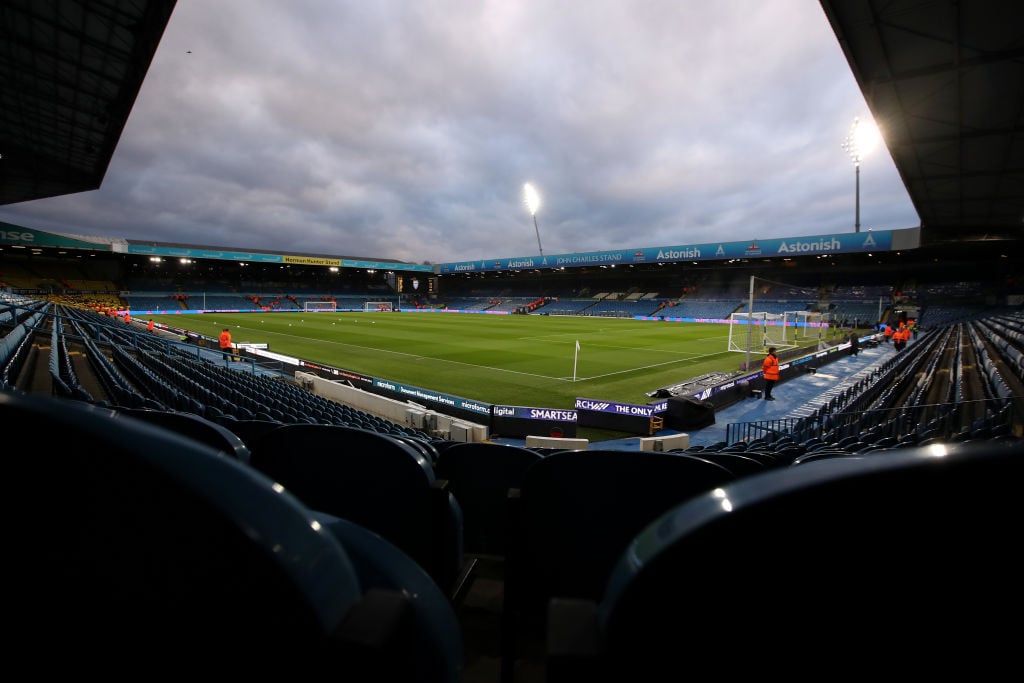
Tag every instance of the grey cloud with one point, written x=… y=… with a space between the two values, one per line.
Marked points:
x=406 y=130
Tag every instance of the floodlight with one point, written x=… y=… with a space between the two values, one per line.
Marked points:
x=859 y=141
x=532 y=200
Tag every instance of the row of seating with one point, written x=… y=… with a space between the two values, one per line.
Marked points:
x=578 y=529
x=843 y=567
x=137 y=545
x=374 y=480
x=598 y=591
x=594 y=543
x=381 y=481
x=144 y=371
x=932 y=390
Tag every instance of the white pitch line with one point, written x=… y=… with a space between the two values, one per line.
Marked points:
x=419 y=357
x=647 y=367
x=505 y=370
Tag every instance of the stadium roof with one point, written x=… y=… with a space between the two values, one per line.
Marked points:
x=943 y=79
x=70 y=72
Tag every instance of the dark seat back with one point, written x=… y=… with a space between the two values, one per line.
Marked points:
x=250 y=430
x=373 y=480
x=578 y=510
x=886 y=551
x=739 y=463
x=480 y=476
x=135 y=537
x=194 y=427
x=576 y=513
x=438 y=650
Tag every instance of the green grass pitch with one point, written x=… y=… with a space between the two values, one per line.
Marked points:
x=525 y=360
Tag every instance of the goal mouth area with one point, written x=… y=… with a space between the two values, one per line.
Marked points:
x=377 y=306
x=317 y=306
x=758 y=330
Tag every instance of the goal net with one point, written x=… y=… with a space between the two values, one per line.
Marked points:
x=314 y=306
x=803 y=326
x=758 y=330
x=370 y=306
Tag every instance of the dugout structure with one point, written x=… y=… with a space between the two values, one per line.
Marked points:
x=758 y=330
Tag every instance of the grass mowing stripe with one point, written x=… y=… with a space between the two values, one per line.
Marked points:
x=510 y=359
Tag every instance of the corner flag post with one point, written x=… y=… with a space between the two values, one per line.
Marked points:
x=574 y=359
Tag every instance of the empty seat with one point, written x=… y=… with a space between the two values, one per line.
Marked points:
x=131 y=537
x=813 y=443
x=764 y=455
x=419 y=444
x=374 y=480
x=739 y=463
x=250 y=430
x=480 y=476
x=821 y=454
x=575 y=513
x=379 y=564
x=836 y=549
x=194 y=427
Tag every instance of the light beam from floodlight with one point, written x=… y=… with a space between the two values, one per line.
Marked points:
x=859 y=141
x=532 y=200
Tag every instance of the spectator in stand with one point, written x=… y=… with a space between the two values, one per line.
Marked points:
x=854 y=343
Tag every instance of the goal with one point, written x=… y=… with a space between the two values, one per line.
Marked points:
x=760 y=329
x=370 y=306
x=314 y=306
x=803 y=326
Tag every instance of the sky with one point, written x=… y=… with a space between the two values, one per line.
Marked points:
x=407 y=130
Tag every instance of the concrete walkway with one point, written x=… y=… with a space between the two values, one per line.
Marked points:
x=797 y=397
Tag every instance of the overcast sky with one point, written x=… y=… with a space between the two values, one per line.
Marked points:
x=406 y=130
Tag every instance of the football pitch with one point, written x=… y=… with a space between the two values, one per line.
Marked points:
x=526 y=360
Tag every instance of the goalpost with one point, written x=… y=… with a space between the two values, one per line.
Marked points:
x=314 y=306
x=373 y=306
x=760 y=328
x=803 y=326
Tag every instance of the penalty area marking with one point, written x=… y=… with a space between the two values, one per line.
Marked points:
x=644 y=367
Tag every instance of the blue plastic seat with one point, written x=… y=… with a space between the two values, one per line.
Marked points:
x=194 y=427
x=574 y=515
x=374 y=480
x=789 y=569
x=438 y=649
x=248 y=430
x=137 y=542
x=821 y=454
x=481 y=475
x=737 y=462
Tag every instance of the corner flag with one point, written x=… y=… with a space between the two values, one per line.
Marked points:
x=574 y=359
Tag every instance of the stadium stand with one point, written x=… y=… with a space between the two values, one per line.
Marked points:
x=572 y=515
x=482 y=476
x=805 y=557
x=374 y=480
x=956 y=384
x=165 y=544
x=855 y=537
